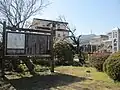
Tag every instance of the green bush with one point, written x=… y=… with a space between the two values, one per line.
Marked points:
x=39 y=68
x=63 y=53
x=97 y=60
x=112 y=66
x=42 y=62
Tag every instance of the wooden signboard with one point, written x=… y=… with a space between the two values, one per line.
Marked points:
x=22 y=42
x=27 y=44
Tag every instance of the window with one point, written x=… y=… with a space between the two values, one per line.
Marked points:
x=115 y=44
x=115 y=40
x=58 y=26
x=110 y=36
x=113 y=35
x=58 y=35
x=64 y=35
x=115 y=48
x=116 y=35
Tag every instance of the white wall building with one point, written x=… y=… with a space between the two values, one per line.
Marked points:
x=99 y=42
x=111 y=43
x=109 y=35
x=115 y=39
x=61 y=29
x=108 y=43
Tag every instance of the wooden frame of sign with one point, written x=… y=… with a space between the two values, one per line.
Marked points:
x=29 y=43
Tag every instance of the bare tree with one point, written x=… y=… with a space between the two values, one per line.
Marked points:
x=76 y=41
x=17 y=12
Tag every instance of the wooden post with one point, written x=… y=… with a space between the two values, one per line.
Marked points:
x=52 y=52
x=4 y=50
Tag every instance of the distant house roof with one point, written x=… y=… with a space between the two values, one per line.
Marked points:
x=109 y=33
x=50 y=20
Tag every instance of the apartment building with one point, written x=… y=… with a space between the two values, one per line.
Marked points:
x=98 y=42
x=61 y=30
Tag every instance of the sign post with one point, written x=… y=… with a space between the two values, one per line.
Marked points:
x=52 y=26
x=3 y=48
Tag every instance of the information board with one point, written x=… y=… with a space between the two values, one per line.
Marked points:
x=27 y=43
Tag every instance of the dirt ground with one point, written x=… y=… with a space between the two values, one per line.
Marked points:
x=42 y=82
x=67 y=78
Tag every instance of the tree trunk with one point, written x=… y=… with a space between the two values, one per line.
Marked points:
x=81 y=58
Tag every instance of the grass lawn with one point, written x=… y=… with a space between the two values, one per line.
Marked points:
x=96 y=80
x=66 y=78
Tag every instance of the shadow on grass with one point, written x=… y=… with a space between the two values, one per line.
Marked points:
x=44 y=82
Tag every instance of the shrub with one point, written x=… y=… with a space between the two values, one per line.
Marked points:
x=21 y=68
x=63 y=53
x=112 y=66
x=42 y=62
x=39 y=68
x=97 y=60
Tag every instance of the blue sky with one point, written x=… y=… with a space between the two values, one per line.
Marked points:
x=100 y=16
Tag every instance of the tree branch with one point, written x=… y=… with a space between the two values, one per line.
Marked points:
x=17 y=12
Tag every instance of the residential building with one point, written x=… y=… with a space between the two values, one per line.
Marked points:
x=108 y=43
x=95 y=43
x=109 y=35
x=98 y=42
x=61 y=30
